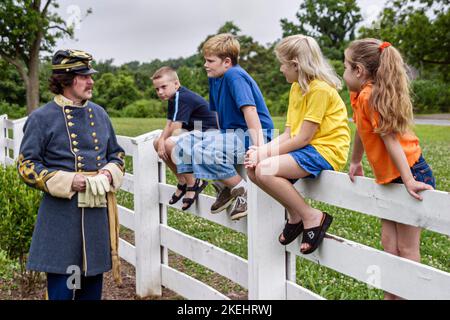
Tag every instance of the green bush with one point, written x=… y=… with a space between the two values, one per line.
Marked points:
x=431 y=96
x=12 y=110
x=8 y=267
x=278 y=107
x=18 y=209
x=338 y=66
x=345 y=95
x=145 y=109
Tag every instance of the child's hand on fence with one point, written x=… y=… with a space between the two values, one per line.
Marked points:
x=413 y=187
x=356 y=169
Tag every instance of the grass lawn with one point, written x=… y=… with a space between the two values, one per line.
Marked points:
x=435 y=142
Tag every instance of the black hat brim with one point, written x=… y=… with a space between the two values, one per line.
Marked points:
x=86 y=72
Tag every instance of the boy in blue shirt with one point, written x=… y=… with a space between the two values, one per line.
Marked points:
x=243 y=117
x=187 y=111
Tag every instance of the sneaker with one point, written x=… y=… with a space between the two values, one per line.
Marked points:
x=239 y=208
x=236 y=192
x=223 y=199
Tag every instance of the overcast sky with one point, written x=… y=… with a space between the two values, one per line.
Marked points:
x=144 y=30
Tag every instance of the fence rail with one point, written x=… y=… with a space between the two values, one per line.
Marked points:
x=270 y=271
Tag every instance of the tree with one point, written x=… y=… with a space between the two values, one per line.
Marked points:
x=116 y=91
x=420 y=29
x=331 y=22
x=11 y=89
x=28 y=27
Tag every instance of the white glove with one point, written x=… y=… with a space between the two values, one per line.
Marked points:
x=96 y=189
x=99 y=184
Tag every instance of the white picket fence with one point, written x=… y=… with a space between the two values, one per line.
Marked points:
x=270 y=271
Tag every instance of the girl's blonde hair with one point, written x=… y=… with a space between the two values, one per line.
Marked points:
x=306 y=54
x=390 y=91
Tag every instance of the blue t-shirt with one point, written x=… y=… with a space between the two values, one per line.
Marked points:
x=188 y=107
x=234 y=90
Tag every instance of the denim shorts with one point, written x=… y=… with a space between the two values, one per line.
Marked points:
x=210 y=155
x=310 y=160
x=421 y=171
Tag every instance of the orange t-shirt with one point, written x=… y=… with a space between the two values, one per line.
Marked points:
x=366 y=119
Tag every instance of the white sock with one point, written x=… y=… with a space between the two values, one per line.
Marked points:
x=242 y=184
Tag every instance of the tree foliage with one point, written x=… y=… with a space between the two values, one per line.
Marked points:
x=421 y=30
x=331 y=22
x=28 y=27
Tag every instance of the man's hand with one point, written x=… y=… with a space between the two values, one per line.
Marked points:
x=107 y=174
x=79 y=183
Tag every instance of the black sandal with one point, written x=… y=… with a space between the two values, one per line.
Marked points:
x=197 y=189
x=314 y=236
x=290 y=232
x=175 y=198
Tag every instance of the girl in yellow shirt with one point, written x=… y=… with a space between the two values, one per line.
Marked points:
x=316 y=138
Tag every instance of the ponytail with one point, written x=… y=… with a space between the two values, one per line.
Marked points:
x=390 y=93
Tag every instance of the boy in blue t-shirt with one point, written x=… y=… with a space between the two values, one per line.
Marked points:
x=243 y=117
x=187 y=111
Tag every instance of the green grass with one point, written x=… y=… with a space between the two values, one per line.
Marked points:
x=435 y=142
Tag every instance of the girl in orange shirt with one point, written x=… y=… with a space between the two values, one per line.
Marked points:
x=376 y=76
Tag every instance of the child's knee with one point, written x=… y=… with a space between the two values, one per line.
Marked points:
x=260 y=174
x=251 y=175
x=264 y=170
x=155 y=144
x=169 y=144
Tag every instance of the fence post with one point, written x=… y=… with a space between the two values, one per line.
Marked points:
x=147 y=218
x=3 y=117
x=163 y=211
x=17 y=136
x=266 y=256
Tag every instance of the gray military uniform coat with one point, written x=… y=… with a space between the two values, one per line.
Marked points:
x=61 y=139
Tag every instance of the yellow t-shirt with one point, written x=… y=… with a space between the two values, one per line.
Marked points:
x=322 y=105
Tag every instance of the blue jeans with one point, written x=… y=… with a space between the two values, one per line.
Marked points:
x=211 y=154
x=421 y=171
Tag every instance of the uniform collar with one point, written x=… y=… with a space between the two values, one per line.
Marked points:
x=64 y=102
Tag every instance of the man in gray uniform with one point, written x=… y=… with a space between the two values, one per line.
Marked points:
x=67 y=142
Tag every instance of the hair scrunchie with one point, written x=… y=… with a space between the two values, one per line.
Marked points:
x=383 y=46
